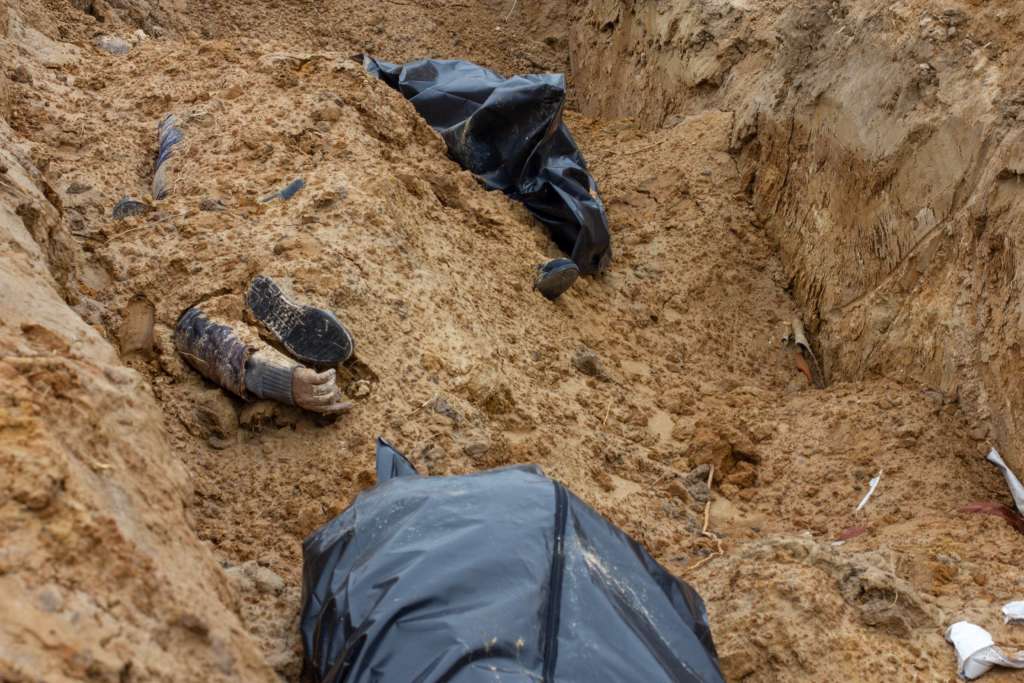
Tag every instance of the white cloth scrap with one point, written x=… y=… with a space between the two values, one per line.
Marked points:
x=1013 y=612
x=1016 y=488
x=976 y=652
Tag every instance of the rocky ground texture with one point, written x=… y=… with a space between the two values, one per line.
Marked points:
x=856 y=164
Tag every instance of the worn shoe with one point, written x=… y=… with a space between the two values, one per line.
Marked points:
x=311 y=335
x=555 y=277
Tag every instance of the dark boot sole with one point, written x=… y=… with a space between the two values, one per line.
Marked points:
x=553 y=285
x=311 y=335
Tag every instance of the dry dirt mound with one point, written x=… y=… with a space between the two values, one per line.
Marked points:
x=132 y=479
x=880 y=144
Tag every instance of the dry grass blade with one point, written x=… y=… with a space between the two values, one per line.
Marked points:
x=704 y=531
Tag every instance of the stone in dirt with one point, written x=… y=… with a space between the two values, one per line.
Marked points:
x=113 y=45
x=588 y=362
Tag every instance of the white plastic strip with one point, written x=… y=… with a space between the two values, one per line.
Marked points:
x=1016 y=488
x=1013 y=612
x=872 y=485
x=976 y=652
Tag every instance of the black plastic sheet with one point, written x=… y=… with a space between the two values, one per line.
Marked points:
x=169 y=135
x=509 y=132
x=498 y=576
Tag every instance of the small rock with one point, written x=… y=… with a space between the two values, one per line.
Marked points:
x=113 y=45
x=50 y=599
x=219 y=443
x=329 y=198
x=234 y=92
x=21 y=74
x=475 y=449
x=328 y=112
x=129 y=207
x=441 y=406
x=359 y=389
x=211 y=204
x=266 y=581
x=78 y=188
x=240 y=579
x=587 y=362
x=696 y=483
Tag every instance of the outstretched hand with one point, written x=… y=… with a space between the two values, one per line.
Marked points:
x=317 y=391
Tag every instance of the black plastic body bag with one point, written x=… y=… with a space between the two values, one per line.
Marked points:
x=509 y=133
x=498 y=576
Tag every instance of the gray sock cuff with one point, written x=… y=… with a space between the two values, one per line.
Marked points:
x=269 y=380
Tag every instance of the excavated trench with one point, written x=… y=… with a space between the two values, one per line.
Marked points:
x=853 y=164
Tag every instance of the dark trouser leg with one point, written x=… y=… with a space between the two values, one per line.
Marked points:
x=213 y=349
x=218 y=352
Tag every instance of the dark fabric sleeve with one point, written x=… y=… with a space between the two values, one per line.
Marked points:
x=215 y=350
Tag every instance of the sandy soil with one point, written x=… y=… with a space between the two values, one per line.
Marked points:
x=626 y=389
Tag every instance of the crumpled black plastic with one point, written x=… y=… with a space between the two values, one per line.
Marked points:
x=169 y=135
x=501 y=575
x=509 y=133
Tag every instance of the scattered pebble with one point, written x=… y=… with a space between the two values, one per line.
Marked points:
x=50 y=599
x=359 y=389
x=129 y=207
x=21 y=74
x=251 y=575
x=211 y=204
x=475 y=449
x=113 y=44
x=588 y=362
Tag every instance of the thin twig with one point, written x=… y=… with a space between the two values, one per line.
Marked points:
x=607 y=411
x=660 y=477
x=513 y=9
x=704 y=531
x=129 y=231
x=644 y=148
x=424 y=404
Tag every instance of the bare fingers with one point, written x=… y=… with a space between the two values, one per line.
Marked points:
x=317 y=391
